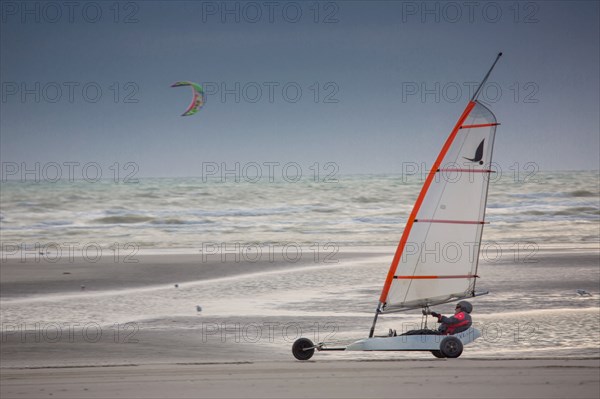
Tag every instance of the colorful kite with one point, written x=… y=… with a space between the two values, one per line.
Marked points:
x=197 y=101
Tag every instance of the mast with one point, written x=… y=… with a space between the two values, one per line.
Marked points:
x=428 y=181
x=487 y=75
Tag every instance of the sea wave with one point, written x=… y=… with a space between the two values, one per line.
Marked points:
x=582 y=193
x=575 y=211
x=123 y=219
x=367 y=210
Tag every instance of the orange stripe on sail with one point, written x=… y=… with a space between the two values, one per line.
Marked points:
x=450 y=221
x=468 y=170
x=433 y=277
x=419 y=202
x=480 y=125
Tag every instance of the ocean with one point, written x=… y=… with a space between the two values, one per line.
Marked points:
x=182 y=214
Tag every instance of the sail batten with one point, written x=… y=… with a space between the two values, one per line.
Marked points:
x=480 y=125
x=450 y=221
x=432 y=277
x=467 y=170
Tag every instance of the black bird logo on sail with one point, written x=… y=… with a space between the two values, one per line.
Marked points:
x=478 y=154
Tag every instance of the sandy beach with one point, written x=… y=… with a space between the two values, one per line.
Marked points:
x=60 y=341
x=547 y=378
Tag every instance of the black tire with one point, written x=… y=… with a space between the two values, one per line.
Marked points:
x=438 y=354
x=451 y=347
x=299 y=349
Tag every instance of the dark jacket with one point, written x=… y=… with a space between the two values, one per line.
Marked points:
x=454 y=324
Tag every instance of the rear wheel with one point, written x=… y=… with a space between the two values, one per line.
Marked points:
x=300 y=349
x=451 y=347
x=438 y=354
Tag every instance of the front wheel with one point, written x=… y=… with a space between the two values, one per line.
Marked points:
x=438 y=354
x=303 y=349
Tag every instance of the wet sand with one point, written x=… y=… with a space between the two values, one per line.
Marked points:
x=457 y=378
x=40 y=274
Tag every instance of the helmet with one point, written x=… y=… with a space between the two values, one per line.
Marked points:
x=466 y=306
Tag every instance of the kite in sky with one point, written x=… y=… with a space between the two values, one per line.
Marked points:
x=198 y=99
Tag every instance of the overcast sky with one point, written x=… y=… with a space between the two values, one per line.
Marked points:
x=367 y=85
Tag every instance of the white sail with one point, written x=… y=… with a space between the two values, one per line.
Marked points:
x=437 y=257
